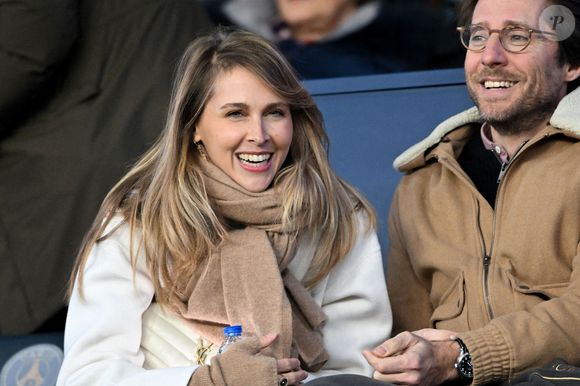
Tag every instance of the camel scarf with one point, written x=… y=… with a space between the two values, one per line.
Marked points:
x=246 y=281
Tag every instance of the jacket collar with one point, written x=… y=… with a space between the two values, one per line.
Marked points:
x=566 y=118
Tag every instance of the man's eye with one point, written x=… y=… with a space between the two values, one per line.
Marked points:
x=478 y=37
x=518 y=38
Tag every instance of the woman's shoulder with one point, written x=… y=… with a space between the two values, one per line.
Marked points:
x=117 y=228
x=364 y=224
x=117 y=238
x=117 y=246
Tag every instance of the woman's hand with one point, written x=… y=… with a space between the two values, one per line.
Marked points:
x=244 y=364
x=288 y=368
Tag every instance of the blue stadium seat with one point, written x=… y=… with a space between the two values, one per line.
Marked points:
x=372 y=119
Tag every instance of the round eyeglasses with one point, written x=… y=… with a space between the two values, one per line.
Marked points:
x=474 y=37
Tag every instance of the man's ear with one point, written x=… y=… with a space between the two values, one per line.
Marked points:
x=572 y=73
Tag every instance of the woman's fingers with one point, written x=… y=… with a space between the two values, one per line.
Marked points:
x=288 y=364
x=289 y=368
x=294 y=377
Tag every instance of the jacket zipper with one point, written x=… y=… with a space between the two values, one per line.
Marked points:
x=504 y=165
x=486 y=262
x=502 y=171
x=486 y=256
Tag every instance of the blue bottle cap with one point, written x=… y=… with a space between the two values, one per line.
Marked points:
x=233 y=330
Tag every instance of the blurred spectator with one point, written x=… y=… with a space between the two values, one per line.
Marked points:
x=258 y=16
x=329 y=38
x=84 y=90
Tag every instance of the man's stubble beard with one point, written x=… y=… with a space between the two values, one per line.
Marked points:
x=526 y=113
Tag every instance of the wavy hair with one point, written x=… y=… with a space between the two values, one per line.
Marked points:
x=163 y=195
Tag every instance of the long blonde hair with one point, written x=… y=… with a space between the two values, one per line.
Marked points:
x=163 y=195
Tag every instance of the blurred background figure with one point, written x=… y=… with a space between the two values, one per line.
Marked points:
x=330 y=38
x=84 y=90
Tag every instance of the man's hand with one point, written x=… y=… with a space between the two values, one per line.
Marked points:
x=424 y=357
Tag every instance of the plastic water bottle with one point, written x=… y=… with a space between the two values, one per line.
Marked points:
x=232 y=334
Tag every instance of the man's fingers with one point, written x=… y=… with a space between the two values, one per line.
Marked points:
x=406 y=378
x=435 y=335
x=387 y=365
x=392 y=370
x=370 y=357
x=395 y=345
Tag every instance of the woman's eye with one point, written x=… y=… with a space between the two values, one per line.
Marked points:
x=277 y=113
x=234 y=114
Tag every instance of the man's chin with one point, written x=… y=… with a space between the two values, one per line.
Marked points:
x=492 y=106
x=506 y=121
x=496 y=115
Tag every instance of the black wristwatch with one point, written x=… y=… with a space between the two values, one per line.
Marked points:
x=463 y=363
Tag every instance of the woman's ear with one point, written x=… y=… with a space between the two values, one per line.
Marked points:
x=196 y=137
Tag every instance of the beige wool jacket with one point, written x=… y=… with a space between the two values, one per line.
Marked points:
x=507 y=279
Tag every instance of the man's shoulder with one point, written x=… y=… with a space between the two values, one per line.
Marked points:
x=566 y=117
x=414 y=157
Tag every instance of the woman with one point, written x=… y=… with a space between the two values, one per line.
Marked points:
x=233 y=217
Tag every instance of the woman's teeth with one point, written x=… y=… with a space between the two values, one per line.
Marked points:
x=254 y=158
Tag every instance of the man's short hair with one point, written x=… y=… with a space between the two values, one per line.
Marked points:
x=569 y=47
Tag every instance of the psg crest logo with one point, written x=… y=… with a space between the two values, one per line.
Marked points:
x=36 y=365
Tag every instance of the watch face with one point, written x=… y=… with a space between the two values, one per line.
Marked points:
x=465 y=367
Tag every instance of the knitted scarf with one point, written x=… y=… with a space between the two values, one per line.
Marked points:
x=246 y=281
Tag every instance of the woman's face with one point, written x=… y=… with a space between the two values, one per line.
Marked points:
x=246 y=129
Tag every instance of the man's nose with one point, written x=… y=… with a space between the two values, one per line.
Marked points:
x=494 y=54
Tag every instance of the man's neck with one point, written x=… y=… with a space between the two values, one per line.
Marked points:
x=512 y=142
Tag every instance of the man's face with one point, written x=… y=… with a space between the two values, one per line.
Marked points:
x=511 y=88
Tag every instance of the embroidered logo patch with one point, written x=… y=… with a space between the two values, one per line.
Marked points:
x=36 y=365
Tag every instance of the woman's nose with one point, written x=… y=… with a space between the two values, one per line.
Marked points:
x=258 y=132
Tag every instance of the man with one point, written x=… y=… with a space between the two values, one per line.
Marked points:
x=84 y=89
x=485 y=225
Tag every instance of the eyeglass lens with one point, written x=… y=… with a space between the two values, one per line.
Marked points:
x=512 y=38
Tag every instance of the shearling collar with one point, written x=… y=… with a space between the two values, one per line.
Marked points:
x=566 y=117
